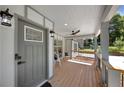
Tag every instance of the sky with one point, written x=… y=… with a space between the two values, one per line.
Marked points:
x=121 y=10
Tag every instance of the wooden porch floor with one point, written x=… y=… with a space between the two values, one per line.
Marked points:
x=70 y=74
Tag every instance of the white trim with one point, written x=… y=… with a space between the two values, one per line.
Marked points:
x=25 y=26
x=42 y=83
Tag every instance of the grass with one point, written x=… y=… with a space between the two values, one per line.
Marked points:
x=86 y=50
x=112 y=50
x=115 y=49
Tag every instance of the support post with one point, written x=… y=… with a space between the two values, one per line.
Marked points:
x=104 y=37
x=109 y=76
x=95 y=49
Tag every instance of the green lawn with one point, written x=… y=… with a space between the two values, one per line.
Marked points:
x=89 y=50
x=112 y=50
x=86 y=50
x=115 y=49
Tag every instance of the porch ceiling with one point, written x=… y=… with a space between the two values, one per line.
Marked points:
x=83 y=17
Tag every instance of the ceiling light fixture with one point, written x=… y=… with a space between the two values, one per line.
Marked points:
x=65 y=24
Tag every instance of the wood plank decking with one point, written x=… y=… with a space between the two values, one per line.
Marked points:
x=70 y=74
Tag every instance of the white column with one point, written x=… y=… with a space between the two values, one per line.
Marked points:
x=50 y=55
x=95 y=49
x=105 y=40
x=104 y=37
x=111 y=77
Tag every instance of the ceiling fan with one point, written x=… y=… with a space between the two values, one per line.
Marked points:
x=75 y=32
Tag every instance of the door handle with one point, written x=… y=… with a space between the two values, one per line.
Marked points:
x=21 y=62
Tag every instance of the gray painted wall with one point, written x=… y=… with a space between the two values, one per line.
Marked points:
x=1 y=7
x=7 y=56
x=7 y=72
x=0 y=60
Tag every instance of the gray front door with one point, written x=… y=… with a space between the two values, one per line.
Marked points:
x=32 y=53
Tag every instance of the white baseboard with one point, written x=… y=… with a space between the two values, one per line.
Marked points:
x=42 y=83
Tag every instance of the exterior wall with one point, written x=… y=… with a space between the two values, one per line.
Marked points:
x=7 y=57
x=0 y=60
x=7 y=71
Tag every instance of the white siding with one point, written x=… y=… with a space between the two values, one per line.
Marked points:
x=7 y=71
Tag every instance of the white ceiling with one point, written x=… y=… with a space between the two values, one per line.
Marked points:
x=83 y=17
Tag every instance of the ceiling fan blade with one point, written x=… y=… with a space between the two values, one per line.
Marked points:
x=76 y=32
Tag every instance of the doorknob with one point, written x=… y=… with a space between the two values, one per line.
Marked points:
x=21 y=62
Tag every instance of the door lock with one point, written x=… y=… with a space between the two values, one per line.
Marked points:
x=17 y=56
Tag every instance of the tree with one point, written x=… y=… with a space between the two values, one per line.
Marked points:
x=119 y=44
x=116 y=29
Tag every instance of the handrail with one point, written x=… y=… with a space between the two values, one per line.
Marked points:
x=110 y=66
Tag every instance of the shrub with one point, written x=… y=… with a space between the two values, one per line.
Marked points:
x=119 y=44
